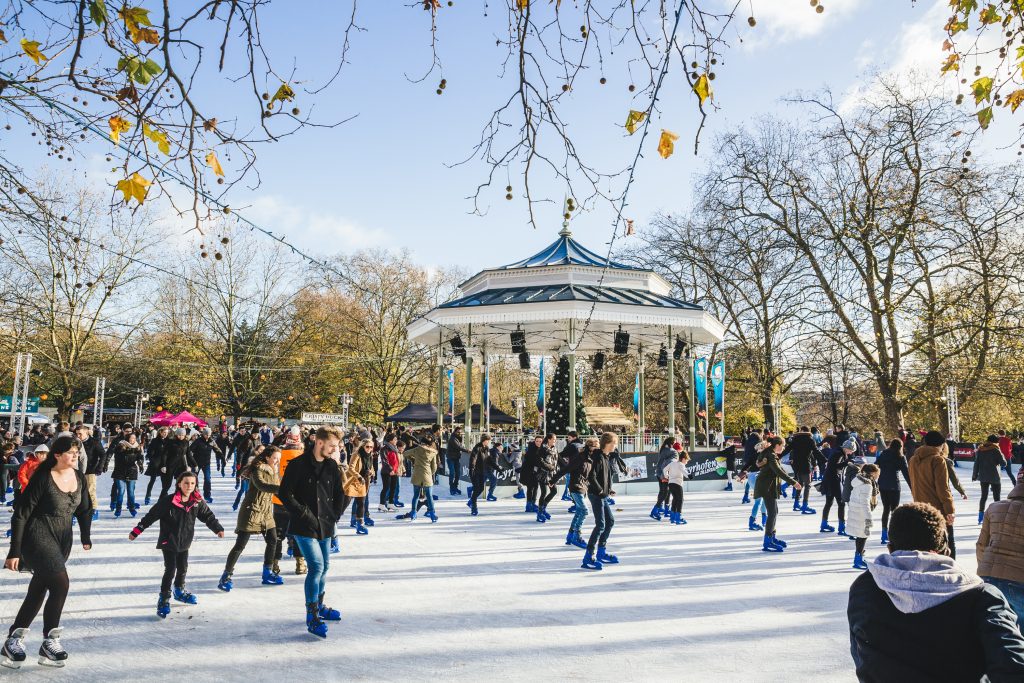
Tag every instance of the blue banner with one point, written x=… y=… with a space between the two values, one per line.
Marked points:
x=540 y=388
x=718 y=386
x=451 y=392
x=700 y=384
x=486 y=399
x=636 y=394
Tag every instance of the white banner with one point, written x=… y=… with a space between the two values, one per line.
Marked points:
x=323 y=418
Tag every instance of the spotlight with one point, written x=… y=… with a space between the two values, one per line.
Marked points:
x=598 y=362
x=518 y=341
x=663 y=358
x=458 y=348
x=524 y=361
x=621 y=342
x=680 y=349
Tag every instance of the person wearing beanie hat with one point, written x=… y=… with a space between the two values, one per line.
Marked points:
x=929 y=480
x=832 y=485
x=177 y=459
x=202 y=450
x=988 y=462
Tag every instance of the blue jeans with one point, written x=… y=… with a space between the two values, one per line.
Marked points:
x=581 y=511
x=241 y=491
x=454 y=469
x=429 y=500
x=206 y=481
x=1014 y=592
x=318 y=560
x=757 y=504
x=604 y=520
x=492 y=481
x=121 y=486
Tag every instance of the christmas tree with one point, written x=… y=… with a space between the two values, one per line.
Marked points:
x=558 y=402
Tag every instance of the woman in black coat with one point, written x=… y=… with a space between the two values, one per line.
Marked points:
x=547 y=485
x=892 y=463
x=528 y=475
x=155 y=456
x=127 y=465
x=832 y=487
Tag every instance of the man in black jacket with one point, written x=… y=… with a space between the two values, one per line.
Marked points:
x=176 y=459
x=749 y=458
x=454 y=456
x=803 y=453
x=916 y=615
x=311 y=492
x=95 y=461
x=202 y=448
x=599 y=486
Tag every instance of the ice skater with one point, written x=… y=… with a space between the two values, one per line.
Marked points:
x=832 y=485
x=177 y=514
x=676 y=474
x=599 y=485
x=577 y=469
x=547 y=483
x=891 y=463
x=257 y=517
x=128 y=462
x=424 y=467
x=479 y=459
x=666 y=456
x=863 y=499
x=769 y=489
x=528 y=475
x=41 y=542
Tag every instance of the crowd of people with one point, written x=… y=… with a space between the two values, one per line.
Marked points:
x=294 y=485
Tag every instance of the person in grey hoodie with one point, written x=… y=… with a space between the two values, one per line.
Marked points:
x=917 y=615
x=666 y=455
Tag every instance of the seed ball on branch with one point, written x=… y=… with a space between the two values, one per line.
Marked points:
x=752 y=21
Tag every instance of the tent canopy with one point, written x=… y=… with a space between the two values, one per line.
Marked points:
x=497 y=416
x=185 y=417
x=421 y=413
x=601 y=416
x=162 y=419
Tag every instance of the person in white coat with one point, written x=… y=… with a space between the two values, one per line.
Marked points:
x=863 y=499
x=675 y=473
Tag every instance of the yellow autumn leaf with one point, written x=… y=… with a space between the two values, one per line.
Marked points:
x=1014 y=99
x=982 y=89
x=283 y=94
x=134 y=187
x=634 y=119
x=31 y=48
x=118 y=126
x=985 y=117
x=139 y=34
x=522 y=4
x=157 y=136
x=703 y=88
x=134 y=16
x=214 y=163
x=952 y=63
x=666 y=145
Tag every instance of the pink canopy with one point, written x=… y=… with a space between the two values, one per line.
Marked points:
x=185 y=417
x=162 y=419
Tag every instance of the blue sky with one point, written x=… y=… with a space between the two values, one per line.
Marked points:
x=381 y=180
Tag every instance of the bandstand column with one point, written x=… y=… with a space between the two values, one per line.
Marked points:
x=485 y=392
x=641 y=403
x=440 y=379
x=572 y=375
x=691 y=393
x=671 y=385
x=468 y=419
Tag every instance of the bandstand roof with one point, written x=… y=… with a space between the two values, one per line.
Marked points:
x=564 y=286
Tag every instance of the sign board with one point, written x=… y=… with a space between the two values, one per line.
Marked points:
x=5 y=404
x=323 y=418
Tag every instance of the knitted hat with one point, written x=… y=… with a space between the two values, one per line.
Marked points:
x=850 y=445
x=180 y=431
x=934 y=439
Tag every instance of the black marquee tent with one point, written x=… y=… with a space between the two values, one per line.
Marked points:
x=497 y=417
x=422 y=413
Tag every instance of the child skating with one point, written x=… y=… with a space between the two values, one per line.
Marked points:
x=863 y=499
x=177 y=514
x=675 y=473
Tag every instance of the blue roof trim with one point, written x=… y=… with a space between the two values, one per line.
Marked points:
x=527 y=295
x=565 y=251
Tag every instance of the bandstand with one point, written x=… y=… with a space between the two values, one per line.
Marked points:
x=568 y=300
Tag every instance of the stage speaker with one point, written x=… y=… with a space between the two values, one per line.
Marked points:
x=518 y=341
x=524 y=361
x=621 y=342
x=663 y=358
x=679 y=350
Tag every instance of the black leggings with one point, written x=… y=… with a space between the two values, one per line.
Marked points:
x=804 y=479
x=51 y=587
x=358 y=506
x=531 y=492
x=388 y=487
x=149 y=489
x=859 y=544
x=270 y=535
x=546 y=492
x=662 y=494
x=175 y=567
x=677 y=497
x=984 y=494
x=771 y=505
x=829 y=499
x=890 y=501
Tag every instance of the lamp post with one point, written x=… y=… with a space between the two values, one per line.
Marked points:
x=345 y=400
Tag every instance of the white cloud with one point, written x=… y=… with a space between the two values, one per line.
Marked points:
x=781 y=21
x=311 y=229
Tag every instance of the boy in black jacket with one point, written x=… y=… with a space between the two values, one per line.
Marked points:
x=916 y=615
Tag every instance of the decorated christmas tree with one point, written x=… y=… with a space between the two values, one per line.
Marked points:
x=558 y=402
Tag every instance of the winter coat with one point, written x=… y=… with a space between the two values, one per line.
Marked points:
x=479 y=458
x=547 y=465
x=802 y=453
x=311 y=492
x=675 y=472
x=771 y=474
x=988 y=460
x=455 y=448
x=929 y=478
x=578 y=468
x=155 y=456
x=177 y=457
x=96 y=456
x=852 y=470
x=528 y=475
x=1000 y=546
x=27 y=469
x=127 y=461
x=510 y=459
x=920 y=618
x=287 y=455
x=178 y=520
x=666 y=456
x=202 y=449
x=599 y=481
x=389 y=459
x=863 y=499
x=1018 y=453
x=424 y=464
x=832 y=477
x=750 y=453
x=257 y=512
x=891 y=463
x=353 y=478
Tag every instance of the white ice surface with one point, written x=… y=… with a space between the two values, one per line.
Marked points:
x=494 y=597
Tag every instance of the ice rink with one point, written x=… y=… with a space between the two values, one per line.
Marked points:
x=494 y=597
